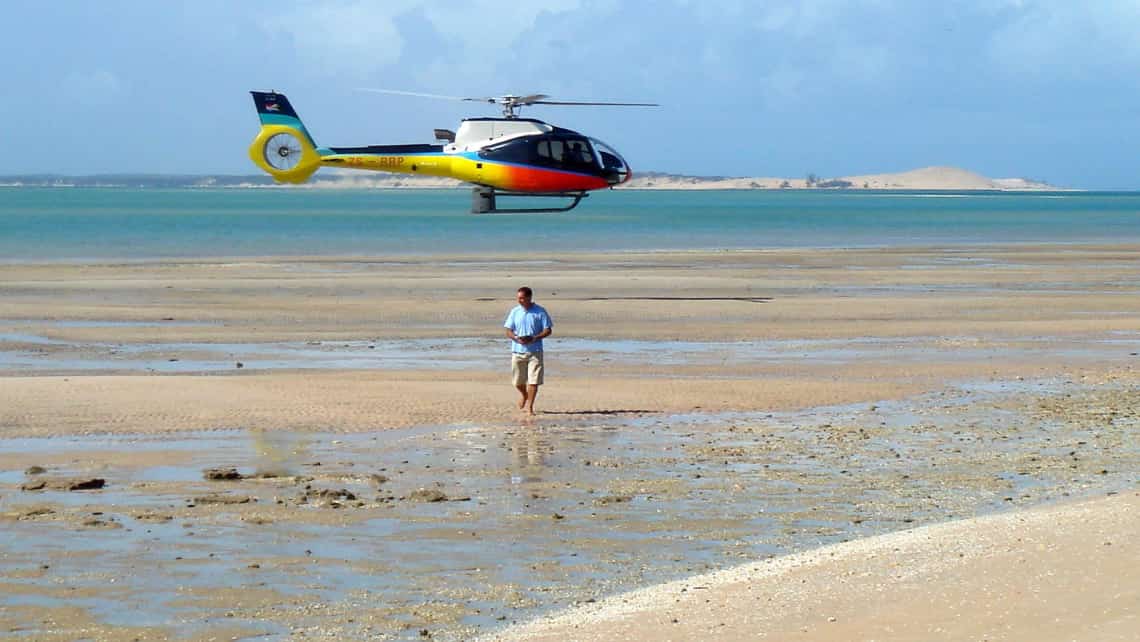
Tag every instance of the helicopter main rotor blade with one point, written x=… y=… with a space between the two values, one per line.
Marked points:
x=510 y=102
x=398 y=92
x=580 y=102
x=533 y=99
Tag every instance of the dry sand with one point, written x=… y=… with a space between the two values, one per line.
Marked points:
x=840 y=327
x=925 y=317
x=1057 y=573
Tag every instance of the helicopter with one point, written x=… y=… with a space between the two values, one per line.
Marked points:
x=501 y=157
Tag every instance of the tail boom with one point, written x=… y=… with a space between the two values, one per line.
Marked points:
x=397 y=159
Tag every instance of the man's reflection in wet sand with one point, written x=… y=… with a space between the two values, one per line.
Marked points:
x=279 y=453
x=530 y=449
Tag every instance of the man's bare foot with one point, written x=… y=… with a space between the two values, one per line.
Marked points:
x=522 y=403
x=530 y=411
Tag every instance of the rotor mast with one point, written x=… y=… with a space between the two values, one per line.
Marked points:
x=511 y=103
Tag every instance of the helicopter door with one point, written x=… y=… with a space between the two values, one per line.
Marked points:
x=548 y=152
x=577 y=156
x=515 y=150
x=569 y=154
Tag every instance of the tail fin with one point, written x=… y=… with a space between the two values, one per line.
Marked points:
x=283 y=148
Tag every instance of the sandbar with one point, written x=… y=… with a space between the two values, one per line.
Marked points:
x=960 y=388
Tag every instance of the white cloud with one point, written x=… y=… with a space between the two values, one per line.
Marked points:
x=784 y=53
x=491 y=24
x=362 y=37
x=1048 y=37
x=342 y=37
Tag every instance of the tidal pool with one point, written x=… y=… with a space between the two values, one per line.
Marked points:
x=450 y=531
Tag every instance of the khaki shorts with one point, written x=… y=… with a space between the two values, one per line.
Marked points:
x=526 y=368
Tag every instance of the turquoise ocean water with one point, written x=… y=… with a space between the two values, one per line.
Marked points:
x=73 y=224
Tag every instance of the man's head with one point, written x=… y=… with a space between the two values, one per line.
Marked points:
x=525 y=296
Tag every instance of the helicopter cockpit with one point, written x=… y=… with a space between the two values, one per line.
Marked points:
x=563 y=150
x=614 y=168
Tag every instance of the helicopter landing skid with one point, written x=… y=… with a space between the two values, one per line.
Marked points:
x=483 y=201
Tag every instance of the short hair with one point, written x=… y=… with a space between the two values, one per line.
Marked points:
x=527 y=292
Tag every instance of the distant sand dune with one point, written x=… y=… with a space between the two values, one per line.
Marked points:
x=926 y=178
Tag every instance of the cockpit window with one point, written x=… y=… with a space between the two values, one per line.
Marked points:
x=519 y=150
x=614 y=168
x=569 y=154
x=578 y=154
x=550 y=151
x=609 y=161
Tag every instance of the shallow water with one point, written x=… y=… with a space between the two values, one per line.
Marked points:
x=72 y=224
x=539 y=516
x=39 y=354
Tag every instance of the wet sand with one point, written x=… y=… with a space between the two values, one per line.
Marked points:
x=803 y=397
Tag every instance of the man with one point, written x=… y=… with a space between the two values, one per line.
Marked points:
x=527 y=325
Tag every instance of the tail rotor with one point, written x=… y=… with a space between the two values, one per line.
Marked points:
x=282 y=151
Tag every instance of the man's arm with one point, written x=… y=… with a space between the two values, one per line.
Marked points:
x=509 y=326
x=548 y=330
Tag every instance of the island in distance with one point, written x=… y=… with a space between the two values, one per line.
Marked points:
x=927 y=178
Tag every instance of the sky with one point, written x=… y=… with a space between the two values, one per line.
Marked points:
x=1040 y=89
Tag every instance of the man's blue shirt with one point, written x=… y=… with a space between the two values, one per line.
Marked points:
x=524 y=322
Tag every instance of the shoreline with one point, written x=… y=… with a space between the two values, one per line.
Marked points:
x=437 y=259
x=682 y=184
x=925 y=179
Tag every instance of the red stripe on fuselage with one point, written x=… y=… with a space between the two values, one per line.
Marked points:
x=531 y=179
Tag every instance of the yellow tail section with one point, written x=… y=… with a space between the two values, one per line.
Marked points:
x=285 y=153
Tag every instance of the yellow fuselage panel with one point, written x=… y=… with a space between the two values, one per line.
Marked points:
x=445 y=165
x=431 y=165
